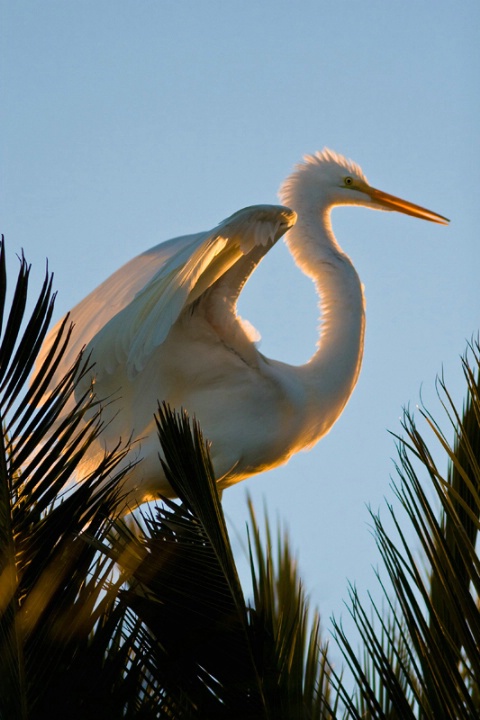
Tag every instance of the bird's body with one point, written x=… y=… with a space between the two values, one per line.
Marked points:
x=164 y=328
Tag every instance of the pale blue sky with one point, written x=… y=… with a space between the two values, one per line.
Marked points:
x=125 y=123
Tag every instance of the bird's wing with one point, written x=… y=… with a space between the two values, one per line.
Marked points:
x=131 y=313
x=131 y=335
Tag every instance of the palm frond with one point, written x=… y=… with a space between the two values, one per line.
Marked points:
x=425 y=661
x=289 y=655
x=204 y=652
x=44 y=561
x=186 y=592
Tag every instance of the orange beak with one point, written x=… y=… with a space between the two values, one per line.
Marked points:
x=390 y=202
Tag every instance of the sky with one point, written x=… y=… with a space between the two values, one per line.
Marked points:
x=126 y=123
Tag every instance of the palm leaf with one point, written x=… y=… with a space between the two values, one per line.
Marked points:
x=44 y=562
x=425 y=662
x=204 y=652
x=186 y=592
x=290 y=658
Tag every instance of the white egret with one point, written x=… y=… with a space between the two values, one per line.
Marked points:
x=164 y=327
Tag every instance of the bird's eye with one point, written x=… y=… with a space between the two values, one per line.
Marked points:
x=348 y=180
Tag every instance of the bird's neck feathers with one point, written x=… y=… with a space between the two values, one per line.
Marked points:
x=330 y=375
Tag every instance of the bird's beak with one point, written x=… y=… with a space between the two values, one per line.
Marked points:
x=390 y=202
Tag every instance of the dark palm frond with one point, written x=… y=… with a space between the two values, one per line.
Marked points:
x=292 y=663
x=186 y=591
x=203 y=652
x=50 y=591
x=461 y=522
x=186 y=457
x=425 y=661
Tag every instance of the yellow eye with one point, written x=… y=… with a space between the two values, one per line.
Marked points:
x=348 y=180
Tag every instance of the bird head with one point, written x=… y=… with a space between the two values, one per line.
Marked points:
x=328 y=179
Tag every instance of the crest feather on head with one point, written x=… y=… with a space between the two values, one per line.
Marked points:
x=329 y=156
x=322 y=158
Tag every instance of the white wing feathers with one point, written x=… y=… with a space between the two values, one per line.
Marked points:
x=133 y=333
x=132 y=312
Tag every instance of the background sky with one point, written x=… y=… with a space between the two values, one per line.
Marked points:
x=125 y=123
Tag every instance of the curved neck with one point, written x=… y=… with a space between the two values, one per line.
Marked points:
x=330 y=375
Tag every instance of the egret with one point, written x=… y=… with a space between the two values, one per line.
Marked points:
x=164 y=327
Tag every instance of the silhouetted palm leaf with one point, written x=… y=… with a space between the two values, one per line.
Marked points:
x=425 y=662
x=291 y=661
x=50 y=594
x=206 y=653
